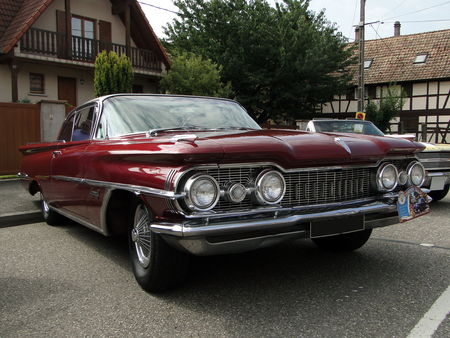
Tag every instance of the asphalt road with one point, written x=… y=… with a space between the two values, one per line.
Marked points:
x=70 y=281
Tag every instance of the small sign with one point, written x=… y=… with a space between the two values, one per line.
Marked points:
x=412 y=203
x=360 y=115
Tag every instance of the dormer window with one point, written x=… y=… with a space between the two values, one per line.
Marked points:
x=421 y=58
x=367 y=63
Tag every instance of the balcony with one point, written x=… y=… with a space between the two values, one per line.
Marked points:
x=53 y=44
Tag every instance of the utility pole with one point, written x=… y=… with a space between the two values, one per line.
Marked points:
x=361 y=57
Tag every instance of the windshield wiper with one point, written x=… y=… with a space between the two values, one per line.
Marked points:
x=234 y=128
x=156 y=131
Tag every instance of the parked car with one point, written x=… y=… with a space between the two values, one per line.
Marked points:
x=435 y=157
x=192 y=175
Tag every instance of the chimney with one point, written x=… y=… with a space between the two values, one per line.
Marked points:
x=397 y=28
x=357 y=34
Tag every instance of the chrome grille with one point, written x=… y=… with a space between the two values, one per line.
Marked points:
x=319 y=187
x=303 y=187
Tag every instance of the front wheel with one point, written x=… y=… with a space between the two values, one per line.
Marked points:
x=156 y=265
x=437 y=195
x=344 y=242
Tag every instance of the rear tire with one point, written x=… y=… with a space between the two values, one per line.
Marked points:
x=51 y=217
x=156 y=265
x=345 y=242
x=437 y=195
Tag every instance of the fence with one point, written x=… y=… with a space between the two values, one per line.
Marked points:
x=19 y=124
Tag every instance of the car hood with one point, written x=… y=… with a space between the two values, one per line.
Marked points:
x=286 y=147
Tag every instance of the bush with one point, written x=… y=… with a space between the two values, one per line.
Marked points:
x=389 y=107
x=113 y=74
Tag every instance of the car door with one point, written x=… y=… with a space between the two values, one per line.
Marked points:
x=69 y=192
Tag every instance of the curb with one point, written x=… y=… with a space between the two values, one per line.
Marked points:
x=20 y=218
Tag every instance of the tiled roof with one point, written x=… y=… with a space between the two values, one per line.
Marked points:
x=16 y=16
x=393 y=58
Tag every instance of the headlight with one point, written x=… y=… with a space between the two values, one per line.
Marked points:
x=270 y=187
x=202 y=192
x=387 y=177
x=416 y=173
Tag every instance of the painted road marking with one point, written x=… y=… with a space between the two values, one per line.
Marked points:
x=433 y=318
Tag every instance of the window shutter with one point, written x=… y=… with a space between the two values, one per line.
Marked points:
x=105 y=35
x=61 y=29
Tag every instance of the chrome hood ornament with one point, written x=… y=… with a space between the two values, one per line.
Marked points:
x=344 y=145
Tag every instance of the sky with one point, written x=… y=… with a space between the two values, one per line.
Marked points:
x=415 y=16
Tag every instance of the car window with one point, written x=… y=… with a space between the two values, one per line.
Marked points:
x=344 y=126
x=132 y=114
x=66 y=129
x=84 y=122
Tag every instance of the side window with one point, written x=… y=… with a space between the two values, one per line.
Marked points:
x=66 y=129
x=83 y=124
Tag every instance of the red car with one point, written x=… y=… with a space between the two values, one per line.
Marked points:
x=193 y=175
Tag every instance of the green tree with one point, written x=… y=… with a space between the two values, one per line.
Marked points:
x=113 y=74
x=190 y=74
x=386 y=109
x=282 y=62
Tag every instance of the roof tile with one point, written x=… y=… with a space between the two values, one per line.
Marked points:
x=393 y=58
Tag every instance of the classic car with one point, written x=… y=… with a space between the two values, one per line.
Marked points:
x=182 y=175
x=435 y=157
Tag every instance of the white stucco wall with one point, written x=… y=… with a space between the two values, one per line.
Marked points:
x=85 y=91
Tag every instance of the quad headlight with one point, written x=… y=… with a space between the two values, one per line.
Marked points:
x=387 y=177
x=416 y=173
x=201 y=192
x=270 y=187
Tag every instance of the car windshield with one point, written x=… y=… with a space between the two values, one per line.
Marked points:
x=139 y=113
x=344 y=126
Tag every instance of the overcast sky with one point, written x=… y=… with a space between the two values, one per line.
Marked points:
x=415 y=16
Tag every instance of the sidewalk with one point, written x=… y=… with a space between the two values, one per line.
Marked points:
x=17 y=206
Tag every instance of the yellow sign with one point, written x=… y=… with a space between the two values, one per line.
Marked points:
x=360 y=116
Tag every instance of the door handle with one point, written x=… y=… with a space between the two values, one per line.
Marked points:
x=56 y=153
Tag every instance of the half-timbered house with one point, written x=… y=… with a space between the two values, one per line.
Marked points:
x=419 y=64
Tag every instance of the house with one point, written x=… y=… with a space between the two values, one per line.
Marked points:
x=48 y=47
x=419 y=64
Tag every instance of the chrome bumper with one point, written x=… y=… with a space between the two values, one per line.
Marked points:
x=443 y=178
x=248 y=234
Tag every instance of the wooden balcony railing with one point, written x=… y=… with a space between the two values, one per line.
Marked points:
x=53 y=44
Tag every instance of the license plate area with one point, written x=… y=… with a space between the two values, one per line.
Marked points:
x=336 y=226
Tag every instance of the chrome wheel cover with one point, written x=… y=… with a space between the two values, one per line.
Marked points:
x=141 y=235
x=44 y=206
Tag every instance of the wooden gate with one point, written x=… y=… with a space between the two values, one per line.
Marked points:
x=19 y=124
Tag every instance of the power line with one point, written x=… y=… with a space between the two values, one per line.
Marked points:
x=437 y=20
x=420 y=10
x=161 y=8
x=354 y=14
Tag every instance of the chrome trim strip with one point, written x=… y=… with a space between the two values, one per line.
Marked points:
x=122 y=186
x=278 y=209
x=186 y=230
x=438 y=174
x=79 y=220
x=434 y=159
